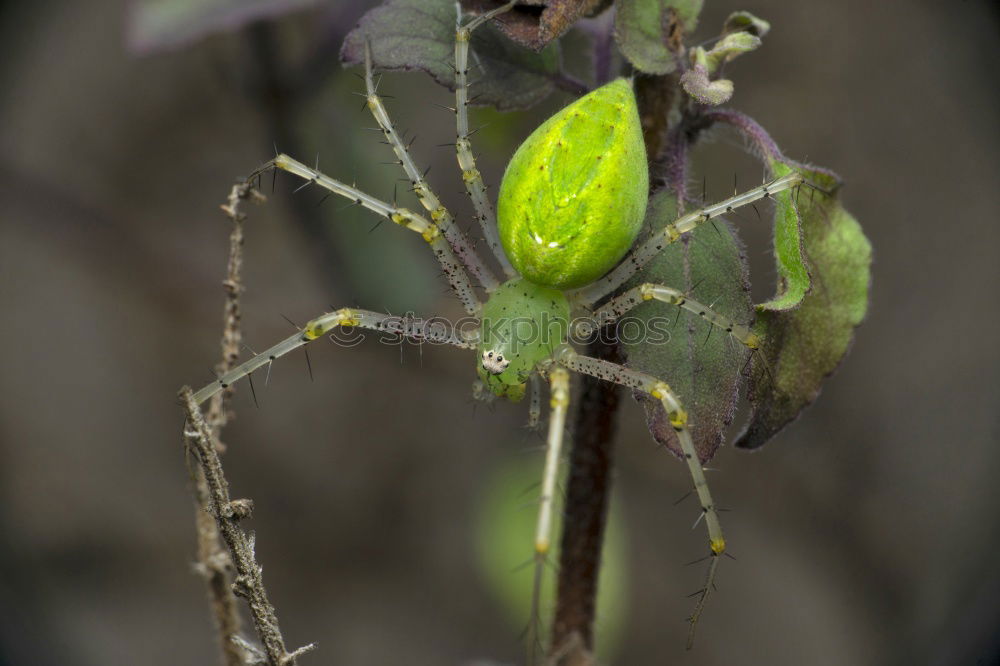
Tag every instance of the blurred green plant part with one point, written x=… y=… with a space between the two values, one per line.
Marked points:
x=420 y=35
x=641 y=28
x=703 y=365
x=505 y=521
x=406 y=277
x=806 y=338
x=157 y=25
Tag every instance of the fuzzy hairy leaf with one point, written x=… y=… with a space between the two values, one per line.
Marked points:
x=806 y=344
x=420 y=34
x=729 y=47
x=534 y=28
x=702 y=364
x=696 y=82
x=643 y=28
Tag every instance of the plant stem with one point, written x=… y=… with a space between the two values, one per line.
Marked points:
x=214 y=562
x=588 y=487
x=587 y=497
x=248 y=581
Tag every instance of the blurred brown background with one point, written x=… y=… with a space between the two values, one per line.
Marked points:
x=867 y=532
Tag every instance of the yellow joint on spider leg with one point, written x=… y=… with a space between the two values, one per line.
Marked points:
x=646 y=291
x=753 y=341
x=672 y=233
x=462 y=35
x=438 y=213
x=542 y=547
x=431 y=233
x=405 y=218
x=322 y=325
x=660 y=390
x=559 y=399
x=470 y=175
x=718 y=546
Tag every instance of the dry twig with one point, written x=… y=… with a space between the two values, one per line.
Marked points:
x=218 y=415
x=214 y=562
x=249 y=580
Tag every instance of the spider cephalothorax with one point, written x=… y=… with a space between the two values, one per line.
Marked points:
x=522 y=324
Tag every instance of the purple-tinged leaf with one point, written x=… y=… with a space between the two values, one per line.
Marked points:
x=535 y=23
x=696 y=82
x=701 y=363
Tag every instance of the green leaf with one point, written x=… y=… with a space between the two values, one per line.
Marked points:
x=793 y=276
x=701 y=364
x=642 y=29
x=805 y=345
x=155 y=25
x=420 y=34
x=729 y=47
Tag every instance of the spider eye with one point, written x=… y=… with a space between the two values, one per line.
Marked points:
x=499 y=358
x=490 y=354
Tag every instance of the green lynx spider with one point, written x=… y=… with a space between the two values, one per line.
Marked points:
x=505 y=370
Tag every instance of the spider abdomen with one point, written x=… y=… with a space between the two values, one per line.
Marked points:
x=574 y=194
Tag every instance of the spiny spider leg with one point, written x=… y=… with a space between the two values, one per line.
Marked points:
x=639 y=257
x=466 y=160
x=415 y=329
x=559 y=403
x=445 y=222
x=620 y=305
x=659 y=390
x=430 y=231
x=617 y=307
